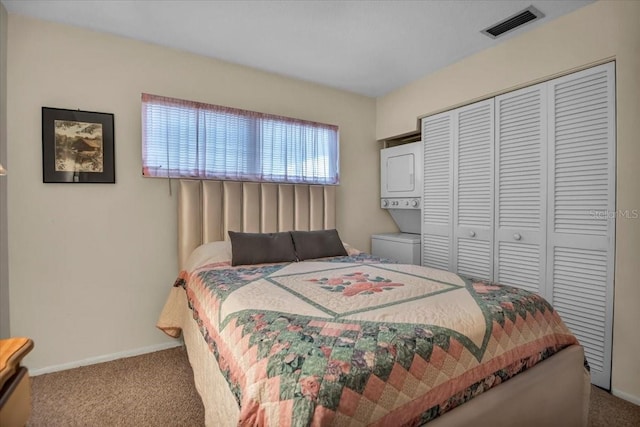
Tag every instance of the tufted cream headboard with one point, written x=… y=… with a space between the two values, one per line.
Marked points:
x=208 y=209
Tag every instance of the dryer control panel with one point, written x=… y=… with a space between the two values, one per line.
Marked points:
x=400 y=203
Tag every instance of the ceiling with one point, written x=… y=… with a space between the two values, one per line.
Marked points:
x=366 y=47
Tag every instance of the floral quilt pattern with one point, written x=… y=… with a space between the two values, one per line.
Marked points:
x=356 y=283
x=366 y=367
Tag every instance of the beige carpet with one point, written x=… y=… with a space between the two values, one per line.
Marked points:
x=156 y=389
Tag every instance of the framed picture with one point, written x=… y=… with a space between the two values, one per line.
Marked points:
x=77 y=146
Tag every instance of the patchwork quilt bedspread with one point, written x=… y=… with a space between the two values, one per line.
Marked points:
x=355 y=341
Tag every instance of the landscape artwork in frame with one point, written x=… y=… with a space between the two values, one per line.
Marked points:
x=77 y=146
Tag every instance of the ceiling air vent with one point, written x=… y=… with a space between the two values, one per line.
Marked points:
x=519 y=19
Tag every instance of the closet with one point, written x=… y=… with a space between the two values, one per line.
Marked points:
x=520 y=189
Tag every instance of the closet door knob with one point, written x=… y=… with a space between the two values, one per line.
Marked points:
x=517 y=236
x=472 y=233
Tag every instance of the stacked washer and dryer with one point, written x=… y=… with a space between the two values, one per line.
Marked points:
x=401 y=196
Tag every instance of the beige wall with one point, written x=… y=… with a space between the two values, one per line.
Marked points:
x=91 y=265
x=4 y=259
x=600 y=31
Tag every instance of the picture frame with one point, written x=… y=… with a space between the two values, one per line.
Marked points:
x=77 y=146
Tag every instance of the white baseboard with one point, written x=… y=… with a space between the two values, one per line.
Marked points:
x=626 y=396
x=104 y=358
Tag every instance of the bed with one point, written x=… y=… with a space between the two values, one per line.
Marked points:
x=352 y=339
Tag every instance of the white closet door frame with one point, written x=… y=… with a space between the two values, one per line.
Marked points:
x=473 y=228
x=437 y=191
x=578 y=252
x=520 y=195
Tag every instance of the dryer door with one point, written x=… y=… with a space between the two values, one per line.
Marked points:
x=399 y=174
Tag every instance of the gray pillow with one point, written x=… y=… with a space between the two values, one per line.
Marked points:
x=261 y=248
x=317 y=244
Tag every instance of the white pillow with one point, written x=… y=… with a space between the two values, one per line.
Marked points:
x=351 y=250
x=208 y=253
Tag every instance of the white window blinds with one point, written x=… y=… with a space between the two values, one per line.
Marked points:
x=185 y=139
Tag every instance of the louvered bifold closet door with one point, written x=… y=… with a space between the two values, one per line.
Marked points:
x=520 y=192
x=581 y=215
x=437 y=200
x=473 y=190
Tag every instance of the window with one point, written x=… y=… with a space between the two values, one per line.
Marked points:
x=185 y=139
